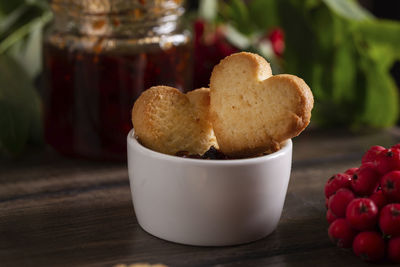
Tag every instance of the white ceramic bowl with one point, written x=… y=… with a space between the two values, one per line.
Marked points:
x=208 y=202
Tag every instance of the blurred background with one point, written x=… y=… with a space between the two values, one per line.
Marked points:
x=71 y=70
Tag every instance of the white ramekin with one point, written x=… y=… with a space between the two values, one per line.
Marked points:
x=208 y=202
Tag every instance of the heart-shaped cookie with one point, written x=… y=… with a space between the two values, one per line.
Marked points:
x=169 y=121
x=253 y=111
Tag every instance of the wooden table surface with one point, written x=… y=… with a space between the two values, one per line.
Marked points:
x=57 y=211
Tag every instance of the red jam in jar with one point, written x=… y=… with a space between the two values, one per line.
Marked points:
x=95 y=71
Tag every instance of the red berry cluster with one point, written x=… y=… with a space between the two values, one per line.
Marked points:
x=364 y=206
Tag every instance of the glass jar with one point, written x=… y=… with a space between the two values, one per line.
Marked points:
x=99 y=55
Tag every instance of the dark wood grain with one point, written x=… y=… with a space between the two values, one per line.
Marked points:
x=56 y=211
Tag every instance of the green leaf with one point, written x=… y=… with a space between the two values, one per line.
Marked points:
x=382 y=98
x=344 y=72
x=237 y=13
x=310 y=4
x=384 y=33
x=208 y=9
x=301 y=48
x=344 y=68
x=13 y=135
x=7 y=6
x=18 y=18
x=21 y=34
x=11 y=19
x=19 y=107
x=236 y=38
x=28 y=52
x=348 y=9
x=23 y=31
x=264 y=13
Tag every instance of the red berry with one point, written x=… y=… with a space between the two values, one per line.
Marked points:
x=339 y=201
x=371 y=154
x=209 y=48
x=379 y=199
x=396 y=146
x=369 y=246
x=377 y=187
x=326 y=202
x=388 y=160
x=389 y=220
x=330 y=217
x=199 y=26
x=365 y=179
x=362 y=214
x=277 y=39
x=341 y=233
x=351 y=171
x=337 y=181
x=394 y=249
x=390 y=184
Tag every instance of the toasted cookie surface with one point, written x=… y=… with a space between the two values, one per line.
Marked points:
x=169 y=121
x=253 y=111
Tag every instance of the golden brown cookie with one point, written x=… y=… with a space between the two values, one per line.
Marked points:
x=253 y=111
x=169 y=121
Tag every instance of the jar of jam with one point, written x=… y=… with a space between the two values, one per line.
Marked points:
x=99 y=55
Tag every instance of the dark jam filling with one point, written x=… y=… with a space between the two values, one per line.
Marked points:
x=211 y=153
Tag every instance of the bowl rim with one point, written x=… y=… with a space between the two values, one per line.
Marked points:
x=132 y=142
